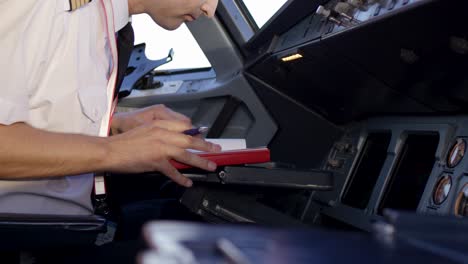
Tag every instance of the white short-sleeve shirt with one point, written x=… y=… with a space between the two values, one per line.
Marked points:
x=57 y=73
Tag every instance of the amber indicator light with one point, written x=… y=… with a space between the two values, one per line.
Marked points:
x=291 y=57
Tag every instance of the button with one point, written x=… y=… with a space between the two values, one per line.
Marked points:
x=344 y=8
x=356 y=3
x=321 y=10
x=336 y=163
x=377 y=10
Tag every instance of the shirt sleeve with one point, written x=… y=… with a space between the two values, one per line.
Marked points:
x=13 y=111
x=121 y=14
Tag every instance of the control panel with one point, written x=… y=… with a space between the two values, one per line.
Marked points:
x=405 y=163
x=353 y=12
x=336 y=16
x=447 y=189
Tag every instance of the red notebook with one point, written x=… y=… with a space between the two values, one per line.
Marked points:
x=231 y=157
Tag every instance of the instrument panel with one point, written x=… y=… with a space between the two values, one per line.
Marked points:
x=336 y=16
x=405 y=163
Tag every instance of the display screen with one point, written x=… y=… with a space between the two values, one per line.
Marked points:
x=367 y=170
x=412 y=170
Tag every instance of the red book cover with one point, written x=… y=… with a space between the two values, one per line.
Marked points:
x=231 y=157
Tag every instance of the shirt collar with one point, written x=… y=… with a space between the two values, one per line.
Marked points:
x=121 y=15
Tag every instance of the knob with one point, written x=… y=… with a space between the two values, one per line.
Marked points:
x=340 y=19
x=321 y=10
x=356 y=3
x=359 y=4
x=344 y=8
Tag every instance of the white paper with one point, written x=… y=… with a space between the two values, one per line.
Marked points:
x=227 y=143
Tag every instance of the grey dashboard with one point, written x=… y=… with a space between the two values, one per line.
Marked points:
x=405 y=163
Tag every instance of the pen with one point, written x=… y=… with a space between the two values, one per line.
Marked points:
x=195 y=131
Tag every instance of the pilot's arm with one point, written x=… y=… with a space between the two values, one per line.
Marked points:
x=27 y=152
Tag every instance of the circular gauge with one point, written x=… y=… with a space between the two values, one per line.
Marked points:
x=456 y=153
x=461 y=205
x=442 y=189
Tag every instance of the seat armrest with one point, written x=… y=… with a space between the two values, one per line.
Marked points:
x=32 y=231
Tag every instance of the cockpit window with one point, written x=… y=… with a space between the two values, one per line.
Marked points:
x=262 y=11
x=187 y=52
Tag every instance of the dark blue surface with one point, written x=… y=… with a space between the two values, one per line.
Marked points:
x=264 y=245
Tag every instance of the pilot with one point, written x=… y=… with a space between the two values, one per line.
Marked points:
x=58 y=74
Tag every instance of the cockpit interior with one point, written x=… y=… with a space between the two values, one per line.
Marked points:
x=363 y=105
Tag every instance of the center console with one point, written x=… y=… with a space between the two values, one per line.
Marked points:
x=412 y=164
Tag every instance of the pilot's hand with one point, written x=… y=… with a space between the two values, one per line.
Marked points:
x=149 y=147
x=125 y=121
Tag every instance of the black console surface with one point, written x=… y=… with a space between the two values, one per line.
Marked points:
x=393 y=57
x=176 y=242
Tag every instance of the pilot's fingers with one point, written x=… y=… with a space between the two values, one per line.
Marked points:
x=208 y=8
x=179 y=116
x=167 y=169
x=172 y=125
x=163 y=112
x=188 y=142
x=189 y=158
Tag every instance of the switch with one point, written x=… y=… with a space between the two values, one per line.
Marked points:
x=344 y=8
x=377 y=10
x=356 y=3
x=340 y=19
x=340 y=146
x=392 y=4
x=336 y=163
x=344 y=147
x=330 y=15
x=359 y=4
x=321 y=10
